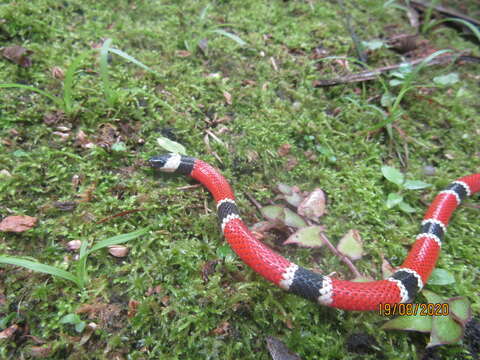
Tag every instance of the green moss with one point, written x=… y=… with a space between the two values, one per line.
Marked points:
x=278 y=105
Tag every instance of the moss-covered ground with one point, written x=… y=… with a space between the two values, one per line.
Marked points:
x=273 y=103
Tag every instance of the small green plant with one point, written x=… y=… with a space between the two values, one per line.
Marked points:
x=404 y=76
x=65 y=102
x=197 y=38
x=74 y=319
x=396 y=199
x=80 y=277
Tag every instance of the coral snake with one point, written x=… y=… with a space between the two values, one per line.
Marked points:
x=400 y=287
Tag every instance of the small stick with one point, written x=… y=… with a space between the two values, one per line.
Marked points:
x=372 y=74
x=253 y=201
x=342 y=257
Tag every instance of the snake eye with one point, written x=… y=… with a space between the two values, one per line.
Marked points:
x=158 y=162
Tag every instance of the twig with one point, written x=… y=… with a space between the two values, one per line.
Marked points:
x=342 y=257
x=372 y=74
x=253 y=201
x=446 y=11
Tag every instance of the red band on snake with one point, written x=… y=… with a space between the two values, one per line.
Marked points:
x=400 y=287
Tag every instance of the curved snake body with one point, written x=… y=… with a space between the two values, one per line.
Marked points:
x=400 y=287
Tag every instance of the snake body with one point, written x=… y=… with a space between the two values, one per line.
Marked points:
x=401 y=287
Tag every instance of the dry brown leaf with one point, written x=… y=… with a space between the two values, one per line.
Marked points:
x=57 y=72
x=291 y=163
x=18 y=54
x=118 y=250
x=40 y=352
x=17 y=223
x=83 y=141
x=228 y=97
x=132 y=308
x=284 y=150
x=222 y=329
x=314 y=205
x=8 y=332
x=74 y=245
x=54 y=117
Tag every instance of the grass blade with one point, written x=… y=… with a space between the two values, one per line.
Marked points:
x=39 y=267
x=230 y=36
x=469 y=25
x=68 y=82
x=132 y=60
x=119 y=239
x=34 y=89
x=104 y=71
x=82 y=263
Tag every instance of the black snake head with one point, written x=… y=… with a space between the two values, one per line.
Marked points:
x=173 y=163
x=158 y=162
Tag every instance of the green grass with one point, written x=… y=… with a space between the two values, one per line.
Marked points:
x=123 y=108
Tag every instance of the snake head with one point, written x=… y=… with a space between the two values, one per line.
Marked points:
x=158 y=161
x=166 y=163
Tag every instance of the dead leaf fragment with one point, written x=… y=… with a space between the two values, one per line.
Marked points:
x=284 y=150
x=279 y=351
x=74 y=245
x=314 y=205
x=291 y=163
x=222 y=329
x=132 y=308
x=183 y=53
x=8 y=332
x=118 y=250
x=54 y=117
x=17 y=223
x=19 y=55
x=40 y=352
x=228 y=97
x=83 y=141
x=57 y=72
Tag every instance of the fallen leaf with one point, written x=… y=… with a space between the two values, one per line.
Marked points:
x=307 y=237
x=19 y=55
x=314 y=205
x=291 y=163
x=208 y=269
x=228 y=97
x=284 y=150
x=460 y=309
x=53 y=117
x=118 y=251
x=57 y=72
x=132 y=308
x=292 y=219
x=40 y=352
x=351 y=245
x=74 y=245
x=87 y=194
x=17 y=223
x=279 y=351
x=410 y=323
x=65 y=205
x=83 y=141
x=8 y=332
x=291 y=194
x=171 y=146
x=222 y=329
